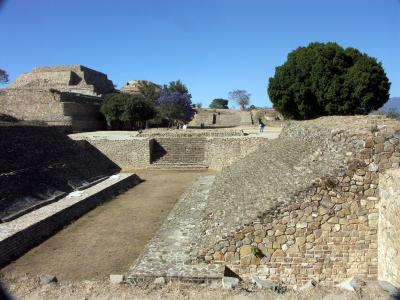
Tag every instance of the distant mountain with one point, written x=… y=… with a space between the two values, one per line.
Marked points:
x=393 y=103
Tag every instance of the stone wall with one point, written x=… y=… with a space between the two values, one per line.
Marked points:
x=73 y=111
x=128 y=152
x=389 y=227
x=328 y=231
x=223 y=151
x=134 y=152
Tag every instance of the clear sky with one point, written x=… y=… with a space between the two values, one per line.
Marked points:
x=213 y=46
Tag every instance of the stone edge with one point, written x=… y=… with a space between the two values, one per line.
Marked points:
x=20 y=242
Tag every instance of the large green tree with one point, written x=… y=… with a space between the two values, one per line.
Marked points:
x=127 y=109
x=325 y=79
x=219 y=103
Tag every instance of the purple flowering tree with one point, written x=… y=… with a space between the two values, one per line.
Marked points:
x=174 y=106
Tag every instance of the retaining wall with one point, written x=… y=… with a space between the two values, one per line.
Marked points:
x=130 y=152
x=127 y=153
x=389 y=227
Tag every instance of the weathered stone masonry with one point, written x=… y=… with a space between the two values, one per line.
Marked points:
x=330 y=231
x=135 y=152
x=389 y=227
x=68 y=96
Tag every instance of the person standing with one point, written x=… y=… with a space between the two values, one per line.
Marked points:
x=261 y=125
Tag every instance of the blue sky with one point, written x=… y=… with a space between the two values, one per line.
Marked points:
x=213 y=46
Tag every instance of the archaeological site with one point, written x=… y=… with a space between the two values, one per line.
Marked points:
x=303 y=203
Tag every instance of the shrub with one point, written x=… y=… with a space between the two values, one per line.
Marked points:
x=325 y=79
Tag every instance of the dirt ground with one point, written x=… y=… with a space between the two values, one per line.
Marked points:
x=109 y=238
x=28 y=288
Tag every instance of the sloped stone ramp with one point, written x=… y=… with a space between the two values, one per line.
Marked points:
x=169 y=254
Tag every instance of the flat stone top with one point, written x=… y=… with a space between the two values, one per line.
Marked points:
x=75 y=68
x=108 y=135
x=354 y=124
x=10 y=228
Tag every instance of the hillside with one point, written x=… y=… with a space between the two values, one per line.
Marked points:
x=393 y=103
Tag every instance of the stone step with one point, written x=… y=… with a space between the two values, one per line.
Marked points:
x=180 y=166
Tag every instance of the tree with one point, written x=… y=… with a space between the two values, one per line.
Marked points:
x=122 y=108
x=177 y=86
x=241 y=97
x=174 y=106
x=325 y=79
x=150 y=91
x=199 y=105
x=219 y=103
x=3 y=76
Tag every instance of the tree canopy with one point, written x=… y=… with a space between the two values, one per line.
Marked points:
x=126 y=108
x=3 y=76
x=326 y=79
x=174 y=106
x=219 y=103
x=241 y=97
x=149 y=91
x=177 y=86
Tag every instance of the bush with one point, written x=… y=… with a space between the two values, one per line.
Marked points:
x=121 y=109
x=325 y=79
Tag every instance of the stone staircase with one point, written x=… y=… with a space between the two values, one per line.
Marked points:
x=178 y=153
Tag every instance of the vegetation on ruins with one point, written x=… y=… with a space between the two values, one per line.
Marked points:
x=127 y=110
x=219 y=103
x=241 y=97
x=3 y=76
x=326 y=79
x=149 y=91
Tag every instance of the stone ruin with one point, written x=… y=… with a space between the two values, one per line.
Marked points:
x=68 y=96
x=133 y=86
